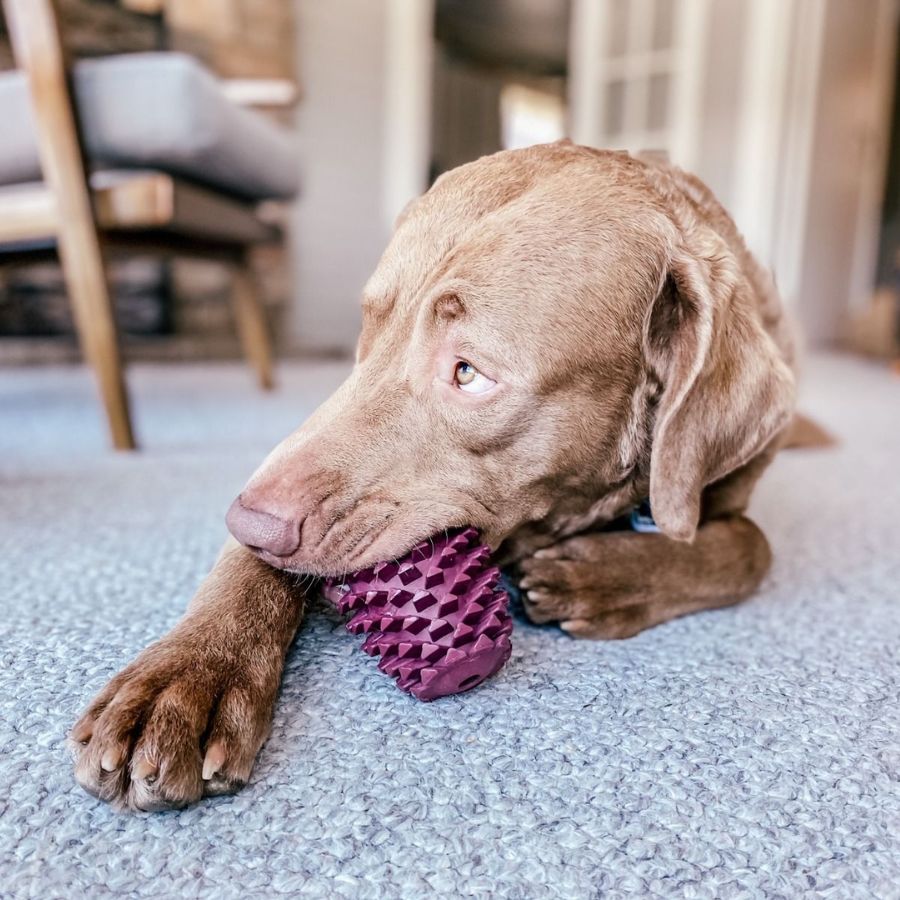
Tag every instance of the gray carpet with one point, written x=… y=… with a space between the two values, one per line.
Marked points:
x=751 y=752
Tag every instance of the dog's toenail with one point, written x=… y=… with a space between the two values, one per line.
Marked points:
x=144 y=770
x=215 y=757
x=109 y=762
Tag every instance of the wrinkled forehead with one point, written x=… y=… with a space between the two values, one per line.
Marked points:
x=554 y=196
x=436 y=224
x=566 y=257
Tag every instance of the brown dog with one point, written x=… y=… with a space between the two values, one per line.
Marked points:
x=552 y=336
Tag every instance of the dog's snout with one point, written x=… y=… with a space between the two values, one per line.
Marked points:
x=261 y=530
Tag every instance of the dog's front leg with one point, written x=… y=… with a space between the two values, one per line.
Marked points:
x=616 y=584
x=188 y=716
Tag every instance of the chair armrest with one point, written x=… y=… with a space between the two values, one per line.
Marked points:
x=270 y=93
x=144 y=7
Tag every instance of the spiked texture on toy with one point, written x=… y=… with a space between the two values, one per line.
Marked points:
x=436 y=618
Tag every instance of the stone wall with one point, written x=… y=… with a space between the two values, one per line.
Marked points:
x=237 y=38
x=95 y=29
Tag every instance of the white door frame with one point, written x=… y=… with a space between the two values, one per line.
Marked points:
x=779 y=91
x=592 y=68
x=409 y=54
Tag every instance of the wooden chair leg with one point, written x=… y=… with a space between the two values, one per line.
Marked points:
x=82 y=262
x=252 y=328
x=38 y=49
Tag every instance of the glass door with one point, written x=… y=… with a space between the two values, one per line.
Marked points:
x=636 y=72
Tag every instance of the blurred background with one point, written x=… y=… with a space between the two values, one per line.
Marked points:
x=784 y=107
x=232 y=170
x=788 y=109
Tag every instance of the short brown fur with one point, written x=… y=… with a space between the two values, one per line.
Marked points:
x=638 y=351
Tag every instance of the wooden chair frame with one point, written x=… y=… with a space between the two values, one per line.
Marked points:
x=143 y=210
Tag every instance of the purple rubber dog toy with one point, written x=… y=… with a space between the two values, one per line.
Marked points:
x=437 y=618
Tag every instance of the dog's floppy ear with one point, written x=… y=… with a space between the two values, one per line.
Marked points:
x=726 y=392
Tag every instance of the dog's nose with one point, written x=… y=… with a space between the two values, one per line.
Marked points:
x=261 y=530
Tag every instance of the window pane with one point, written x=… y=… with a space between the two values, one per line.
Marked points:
x=617 y=35
x=658 y=102
x=663 y=23
x=615 y=108
x=531 y=116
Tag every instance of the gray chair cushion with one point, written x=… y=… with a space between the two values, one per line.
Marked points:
x=162 y=111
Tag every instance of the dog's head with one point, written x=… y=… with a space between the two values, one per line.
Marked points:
x=544 y=333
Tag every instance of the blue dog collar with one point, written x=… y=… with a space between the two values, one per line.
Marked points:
x=642 y=519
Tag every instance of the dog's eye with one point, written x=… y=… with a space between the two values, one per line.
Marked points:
x=467 y=378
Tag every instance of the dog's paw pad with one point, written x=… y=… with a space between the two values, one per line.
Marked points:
x=142 y=744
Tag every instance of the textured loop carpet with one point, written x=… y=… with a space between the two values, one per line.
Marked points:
x=751 y=752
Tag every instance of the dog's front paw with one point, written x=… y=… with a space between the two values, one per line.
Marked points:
x=565 y=584
x=184 y=720
x=556 y=588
